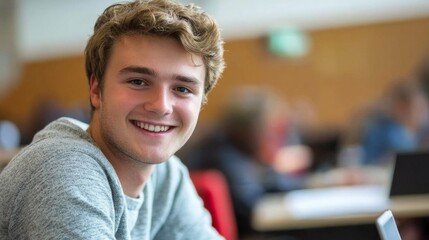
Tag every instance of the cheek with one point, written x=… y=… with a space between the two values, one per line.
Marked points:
x=190 y=112
x=119 y=98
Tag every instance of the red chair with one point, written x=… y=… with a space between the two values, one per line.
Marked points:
x=213 y=190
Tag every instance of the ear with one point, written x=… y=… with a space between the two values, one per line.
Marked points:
x=94 y=92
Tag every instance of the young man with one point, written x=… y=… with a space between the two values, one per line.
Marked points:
x=150 y=66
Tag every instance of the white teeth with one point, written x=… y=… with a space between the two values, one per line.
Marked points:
x=152 y=128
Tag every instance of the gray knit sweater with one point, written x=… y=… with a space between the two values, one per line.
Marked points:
x=62 y=187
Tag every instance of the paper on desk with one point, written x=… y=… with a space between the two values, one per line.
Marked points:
x=336 y=201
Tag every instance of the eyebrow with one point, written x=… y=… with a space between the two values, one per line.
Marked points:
x=138 y=69
x=186 y=79
x=151 y=72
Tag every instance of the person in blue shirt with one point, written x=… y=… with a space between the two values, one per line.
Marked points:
x=397 y=124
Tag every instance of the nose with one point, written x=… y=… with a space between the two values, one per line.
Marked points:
x=159 y=101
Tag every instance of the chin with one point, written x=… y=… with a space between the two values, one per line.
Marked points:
x=156 y=159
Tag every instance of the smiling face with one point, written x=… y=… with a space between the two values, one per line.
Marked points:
x=150 y=101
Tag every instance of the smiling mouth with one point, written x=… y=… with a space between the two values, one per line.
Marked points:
x=152 y=127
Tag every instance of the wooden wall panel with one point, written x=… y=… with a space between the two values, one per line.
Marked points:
x=346 y=68
x=62 y=81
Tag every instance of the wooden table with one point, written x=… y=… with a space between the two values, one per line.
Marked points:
x=275 y=211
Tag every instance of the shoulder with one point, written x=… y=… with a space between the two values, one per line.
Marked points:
x=68 y=156
x=58 y=164
x=63 y=141
x=60 y=157
x=61 y=182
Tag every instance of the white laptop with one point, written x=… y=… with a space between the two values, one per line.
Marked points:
x=386 y=226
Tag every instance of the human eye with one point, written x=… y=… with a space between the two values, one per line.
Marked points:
x=183 y=90
x=137 y=82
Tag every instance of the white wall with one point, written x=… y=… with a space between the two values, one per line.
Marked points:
x=48 y=28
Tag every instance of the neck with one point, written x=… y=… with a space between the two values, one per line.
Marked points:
x=133 y=177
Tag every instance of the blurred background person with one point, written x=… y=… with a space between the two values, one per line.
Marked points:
x=255 y=148
x=396 y=124
x=422 y=76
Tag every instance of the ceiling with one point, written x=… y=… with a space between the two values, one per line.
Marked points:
x=51 y=28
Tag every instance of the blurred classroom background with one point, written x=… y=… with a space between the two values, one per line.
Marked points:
x=341 y=59
x=336 y=65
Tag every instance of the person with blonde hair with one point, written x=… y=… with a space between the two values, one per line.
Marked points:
x=150 y=65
